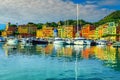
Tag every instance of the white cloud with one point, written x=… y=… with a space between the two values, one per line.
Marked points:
x=23 y=11
x=104 y=2
x=109 y=2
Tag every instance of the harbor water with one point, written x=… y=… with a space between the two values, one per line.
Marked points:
x=59 y=62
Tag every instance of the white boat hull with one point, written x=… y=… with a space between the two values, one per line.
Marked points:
x=12 y=42
x=59 y=42
x=79 y=42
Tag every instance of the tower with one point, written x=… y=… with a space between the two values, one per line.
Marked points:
x=7 y=26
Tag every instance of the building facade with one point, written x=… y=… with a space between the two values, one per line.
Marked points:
x=28 y=30
x=88 y=31
x=10 y=30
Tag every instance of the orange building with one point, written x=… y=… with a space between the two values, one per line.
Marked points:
x=86 y=31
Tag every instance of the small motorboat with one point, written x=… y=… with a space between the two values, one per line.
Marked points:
x=39 y=41
x=12 y=41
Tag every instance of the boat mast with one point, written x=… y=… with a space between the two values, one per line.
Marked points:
x=77 y=21
x=76 y=60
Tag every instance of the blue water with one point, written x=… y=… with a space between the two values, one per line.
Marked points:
x=49 y=62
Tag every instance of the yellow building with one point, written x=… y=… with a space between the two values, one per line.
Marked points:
x=28 y=30
x=45 y=32
x=60 y=31
x=22 y=29
x=66 y=31
x=101 y=31
x=39 y=34
x=69 y=31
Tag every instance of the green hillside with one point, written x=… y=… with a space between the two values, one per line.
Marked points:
x=113 y=17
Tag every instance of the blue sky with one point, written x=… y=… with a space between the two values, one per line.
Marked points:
x=2 y=26
x=41 y=11
x=110 y=4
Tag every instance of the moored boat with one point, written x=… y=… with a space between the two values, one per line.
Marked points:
x=12 y=41
x=39 y=41
x=101 y=42
x=59 y=41
x=69 y=41
x=79 y=41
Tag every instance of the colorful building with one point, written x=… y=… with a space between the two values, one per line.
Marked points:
x=28 y=30
x=48 y=32
x=9 y=30
x=45 y=32
x=118 y=33
x=39 y=34
x=112 y=30
x=101 y=31
x=88 y=31
x=106 y=31
x=67 y=31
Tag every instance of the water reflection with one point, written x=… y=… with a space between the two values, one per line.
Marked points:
x=117 y=66
x=69 y=60
x=106 y=53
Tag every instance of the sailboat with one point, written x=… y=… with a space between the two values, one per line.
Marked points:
x=78 y=40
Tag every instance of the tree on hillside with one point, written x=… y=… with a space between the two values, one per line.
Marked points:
x=113 y=17
x=39 y=25
x=60 y=23
x=53 y=24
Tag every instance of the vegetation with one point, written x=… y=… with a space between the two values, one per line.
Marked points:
x=1 y=32
x=113 y=17
x=39 y=25
x=13 y=25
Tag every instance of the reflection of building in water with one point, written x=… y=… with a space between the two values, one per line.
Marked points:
x=9 y=50
x=40 y=48
x=26 y=50
x=59 y=49
x=117 y=65
x=44 y=49
x=103 y=53
x=86 y=53
x=63 y=50
x=106 y=53
x=48 y=49
x=77 y=50
x=68 y=51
